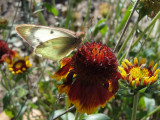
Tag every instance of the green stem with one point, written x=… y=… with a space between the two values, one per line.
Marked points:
x=67 y=106
x=88 y=11
x=77 y=115
x=68 y=13
x=151 y=113
x=40 y=16
x=143 y=33
x=4 y=81
x=135 y=103
x=126 y=25
x=127 y=39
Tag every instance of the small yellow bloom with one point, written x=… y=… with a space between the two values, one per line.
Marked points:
x=18 y=64
x=139 y=74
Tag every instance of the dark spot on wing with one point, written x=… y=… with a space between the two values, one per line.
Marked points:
x=51 y=32
x=38 y=40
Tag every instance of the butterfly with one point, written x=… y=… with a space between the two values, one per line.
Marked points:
x=50 y=42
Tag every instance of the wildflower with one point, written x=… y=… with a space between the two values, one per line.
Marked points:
x=18 y=64
x=5 y=51
x=139 y=75
x=91 y=77
x=3 y=23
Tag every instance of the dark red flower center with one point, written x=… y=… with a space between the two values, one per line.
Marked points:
x=95 y=60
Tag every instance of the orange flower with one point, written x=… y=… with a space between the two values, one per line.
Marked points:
x=91 y=77
x=139 y=75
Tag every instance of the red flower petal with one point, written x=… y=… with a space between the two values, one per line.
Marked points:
x=62 y=72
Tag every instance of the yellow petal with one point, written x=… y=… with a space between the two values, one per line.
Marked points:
x=133 y=82
x=11 y=69
x=123 y=74
x=145 y=81
x=156 y=72
x=26 y=58
x=142 y=61
x=130 y=78
x=120 y=68
x=27 y=62
x=124 y=65
x=155 y=78
x=150 y=79
x=151 y=64
x=154 y=68
x=137 y=81
x=24 y=69
x=135 y=61
x=128 y=63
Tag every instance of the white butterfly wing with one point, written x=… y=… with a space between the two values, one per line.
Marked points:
x=57 y=48
x=52 y=43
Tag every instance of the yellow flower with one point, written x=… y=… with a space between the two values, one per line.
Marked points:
x=139 y=74
x=18 y=64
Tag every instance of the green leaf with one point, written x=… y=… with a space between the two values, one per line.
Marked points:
x=51 y=8
x=122 y=85
x=124 y=20
x=100 y=26
x=22 y=92
x=150 y=104
x=142 y=90
x=9 y=113
x=149 y=53
x=141 y=103
x=33 y=105
x=146 y=103
x=99 y=116
x=7 y=99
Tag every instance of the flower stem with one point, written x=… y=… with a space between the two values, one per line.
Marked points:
x=77 y=115
x=70 y=3
x=127 y=39
x=67 y=106
x=142 y=34
x=151 y=113
x=135 y=103
x=88 y=11
x=40 y=16
x=126 y=25
x=148 y=27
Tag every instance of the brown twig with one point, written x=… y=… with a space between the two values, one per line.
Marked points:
x=71 y=108
x=126 y=25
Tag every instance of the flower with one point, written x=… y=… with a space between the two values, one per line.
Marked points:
x=91 y=77
x=18 y=64
x=5 y=51
x=139 y=75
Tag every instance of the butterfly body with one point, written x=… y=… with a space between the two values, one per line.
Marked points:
x=49 y=42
